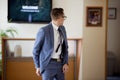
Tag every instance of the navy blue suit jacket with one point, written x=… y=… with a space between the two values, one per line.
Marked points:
x=44 y=46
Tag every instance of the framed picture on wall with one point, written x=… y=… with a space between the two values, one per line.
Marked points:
x=94 y=16
x=112 y=12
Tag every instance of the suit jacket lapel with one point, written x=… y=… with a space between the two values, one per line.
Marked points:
x=51 y=34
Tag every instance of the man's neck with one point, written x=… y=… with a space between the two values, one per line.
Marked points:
x=56 y=23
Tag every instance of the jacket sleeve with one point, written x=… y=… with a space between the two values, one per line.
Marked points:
x=37 y=47
x=65 y=61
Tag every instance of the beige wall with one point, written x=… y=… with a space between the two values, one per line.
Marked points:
x=73 y=23
x=113 y=34
x=93 y=53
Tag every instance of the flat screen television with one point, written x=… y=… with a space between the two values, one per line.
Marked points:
x=30 y=11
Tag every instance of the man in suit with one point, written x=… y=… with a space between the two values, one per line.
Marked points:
x=50 y=52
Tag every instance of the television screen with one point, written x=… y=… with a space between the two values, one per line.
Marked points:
x=29 y=10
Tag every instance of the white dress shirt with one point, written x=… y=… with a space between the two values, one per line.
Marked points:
x=56 y=55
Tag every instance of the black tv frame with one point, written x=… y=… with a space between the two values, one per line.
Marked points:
x=13 y=19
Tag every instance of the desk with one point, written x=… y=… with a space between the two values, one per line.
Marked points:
x=22 y=67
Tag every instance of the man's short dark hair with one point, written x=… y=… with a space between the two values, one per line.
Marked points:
x=56 y=13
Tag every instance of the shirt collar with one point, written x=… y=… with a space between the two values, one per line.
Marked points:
x=55 y=26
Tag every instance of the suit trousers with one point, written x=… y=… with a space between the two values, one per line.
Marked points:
x=53 y=71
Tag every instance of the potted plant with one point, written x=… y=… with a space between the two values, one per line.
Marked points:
x=9 y=32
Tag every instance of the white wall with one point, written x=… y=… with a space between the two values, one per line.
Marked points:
x=73 y=23
x=93 y=54
x=113 y=33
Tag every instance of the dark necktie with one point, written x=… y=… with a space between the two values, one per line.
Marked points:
x=60 y=43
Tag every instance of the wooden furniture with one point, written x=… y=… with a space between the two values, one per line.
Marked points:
x=21 y=67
